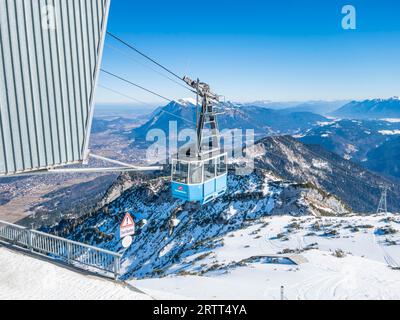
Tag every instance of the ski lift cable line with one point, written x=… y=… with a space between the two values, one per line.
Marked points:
x=150 y=59
x=136 y=100
x=144 y=55
x=148 y=67
x=135 y=85
x=174 y=115
x=124 y=95
x=120 y=163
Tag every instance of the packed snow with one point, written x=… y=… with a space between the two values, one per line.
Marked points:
x=326 y=123
x=187 y=101
x=23 y=277
x=389 y=132
x=392 y=120
x=320 y=164
x=348 y=258
x=353 y=257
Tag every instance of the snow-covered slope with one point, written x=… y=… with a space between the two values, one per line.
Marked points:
x=353 y=184
x=170 y=231
x=26 y=278
x=348 y=258
x=353 y=257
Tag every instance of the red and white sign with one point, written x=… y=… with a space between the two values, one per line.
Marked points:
x=127 y=242
x=127 y=227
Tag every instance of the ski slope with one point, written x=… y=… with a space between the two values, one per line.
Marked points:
x=324 y=277
x=23 y=277
x=368 y=270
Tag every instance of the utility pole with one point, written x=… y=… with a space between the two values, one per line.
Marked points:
x=382 y=207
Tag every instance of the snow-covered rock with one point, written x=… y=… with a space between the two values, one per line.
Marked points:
x=162 y=245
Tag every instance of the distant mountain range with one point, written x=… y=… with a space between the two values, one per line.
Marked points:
x=370 y=109
x=363 y=141
x=367 y=109
x=371 y=143
x=319 y=107
x=264 y=121
x=386 y=158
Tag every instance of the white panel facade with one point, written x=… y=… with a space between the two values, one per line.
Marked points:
x=50 y=55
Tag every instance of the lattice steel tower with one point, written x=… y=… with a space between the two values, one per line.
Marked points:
x=382 y=207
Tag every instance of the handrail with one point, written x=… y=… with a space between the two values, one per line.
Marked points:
x=54 y=247
x=12 y=225
x=76 y=243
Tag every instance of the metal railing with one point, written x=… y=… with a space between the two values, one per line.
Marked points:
x=73 y=253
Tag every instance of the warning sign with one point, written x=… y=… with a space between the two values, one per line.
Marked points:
x=127 y=227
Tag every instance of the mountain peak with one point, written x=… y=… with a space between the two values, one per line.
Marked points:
x=186 y=102
x=371 y=109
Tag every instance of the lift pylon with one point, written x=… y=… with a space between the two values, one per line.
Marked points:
x=382 y=207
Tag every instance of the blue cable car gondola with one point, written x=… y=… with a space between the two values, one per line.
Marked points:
x=199 y=174
x=199 y=180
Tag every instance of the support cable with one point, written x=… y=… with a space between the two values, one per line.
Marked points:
x=136 y=100
x=144 y=55
x=135 y=85
x=130 y=57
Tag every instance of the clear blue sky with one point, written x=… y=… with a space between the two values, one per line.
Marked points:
x=250 y=50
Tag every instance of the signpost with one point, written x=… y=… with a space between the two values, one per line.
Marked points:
x=127 y=227
x=127 y=242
